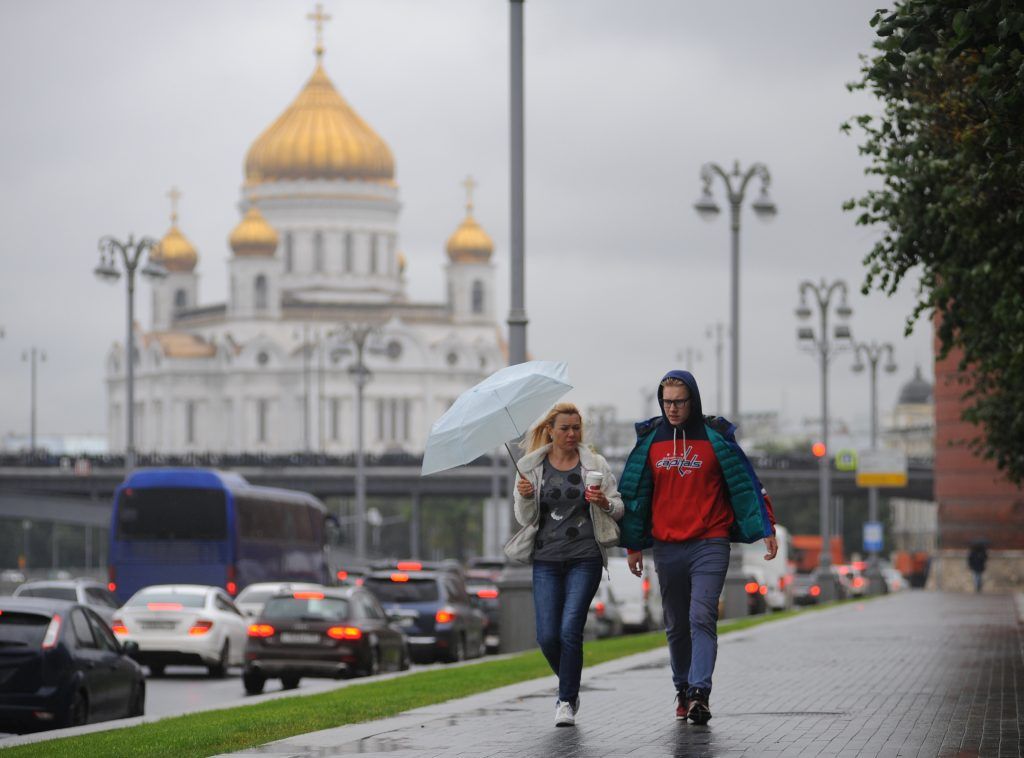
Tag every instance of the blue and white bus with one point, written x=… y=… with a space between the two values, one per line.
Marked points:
x=200 y=526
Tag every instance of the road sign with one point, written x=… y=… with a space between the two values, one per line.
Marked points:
x=846 y=460
x=881 y=468
x=873 y=536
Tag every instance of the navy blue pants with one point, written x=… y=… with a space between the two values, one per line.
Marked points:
x=692 y=575
x=562 y=591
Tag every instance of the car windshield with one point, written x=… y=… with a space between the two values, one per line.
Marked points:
x=408 y=591
x=327 y=608
x=55 y=593
x=22 y=629
x=167 y=600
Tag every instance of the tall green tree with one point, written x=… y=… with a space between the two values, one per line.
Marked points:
x=948 y=148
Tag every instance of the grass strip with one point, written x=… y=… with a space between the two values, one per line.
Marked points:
x=233 y=729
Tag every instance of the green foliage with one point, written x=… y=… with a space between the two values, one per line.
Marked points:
x=948 y=149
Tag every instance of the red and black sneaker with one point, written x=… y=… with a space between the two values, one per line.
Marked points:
x=681 y=706
x=697 y=709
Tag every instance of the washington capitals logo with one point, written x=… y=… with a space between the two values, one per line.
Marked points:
x=682 y=463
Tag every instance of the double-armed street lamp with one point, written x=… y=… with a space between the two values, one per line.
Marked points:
x=354 y=340
x=868 y=356
x=824 y=345
x=735 y=597
x=706 y=207
x=130 y=255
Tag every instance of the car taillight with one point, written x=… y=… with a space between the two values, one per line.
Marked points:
x=232 y=588
x=763 y=589
x=231 y=585
x=261 y=630
x=599 y=609
x=200 y=627
x=751 y=588
x=646 y=586
x=409 y=566
x=858 y=581
x=444 y=616
x=815 y=590
x=164 y=606
x=117 y=627
x=52 y=632
x=396 y=577
x=308 y=595
x=487 y=594
x=111 y=579
x=342 y=576
x=344 y=633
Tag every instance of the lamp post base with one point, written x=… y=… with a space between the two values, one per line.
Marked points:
x=734 y=593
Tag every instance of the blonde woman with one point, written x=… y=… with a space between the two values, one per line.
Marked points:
x=566 y=528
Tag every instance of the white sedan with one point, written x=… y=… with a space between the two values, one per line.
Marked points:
x=187 y=624
x=252 y=599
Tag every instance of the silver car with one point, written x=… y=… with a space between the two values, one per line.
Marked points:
x=88 y=592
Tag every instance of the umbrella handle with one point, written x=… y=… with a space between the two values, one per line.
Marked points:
x=514 y=463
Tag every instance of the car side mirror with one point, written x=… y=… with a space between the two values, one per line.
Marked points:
x=130 y=648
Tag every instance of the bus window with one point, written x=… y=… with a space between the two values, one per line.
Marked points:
x=301 y=521
x=171 y=513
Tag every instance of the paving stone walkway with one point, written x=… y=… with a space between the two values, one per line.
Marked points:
x=912 y=674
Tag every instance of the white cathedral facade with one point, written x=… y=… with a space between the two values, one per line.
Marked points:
x=314 y=257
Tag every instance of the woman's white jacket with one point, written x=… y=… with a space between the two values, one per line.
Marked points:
x=531 y=465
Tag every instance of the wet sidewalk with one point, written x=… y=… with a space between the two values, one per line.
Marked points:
x=913 y=674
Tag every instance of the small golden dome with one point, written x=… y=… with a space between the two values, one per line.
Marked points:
x=254 y=236
x=175 y=252
x=402 y=262
x=319 y=136
x=469 y=243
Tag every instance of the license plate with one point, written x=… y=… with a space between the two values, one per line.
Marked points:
x=158 y=624
x=299 y=638
x=406 y=622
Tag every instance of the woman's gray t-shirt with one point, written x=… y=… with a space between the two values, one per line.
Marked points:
x=565 y=532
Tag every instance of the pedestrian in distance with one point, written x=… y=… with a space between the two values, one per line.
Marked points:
x=689 y=491
x=977 y=557
x=567 y=502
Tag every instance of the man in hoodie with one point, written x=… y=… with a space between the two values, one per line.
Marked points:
x=690 y=490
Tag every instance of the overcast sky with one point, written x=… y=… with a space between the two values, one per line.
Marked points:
x=106 y=105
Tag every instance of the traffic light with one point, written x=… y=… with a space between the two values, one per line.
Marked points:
x=818 y=448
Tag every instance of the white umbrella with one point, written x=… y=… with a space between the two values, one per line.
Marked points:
x=498 y=409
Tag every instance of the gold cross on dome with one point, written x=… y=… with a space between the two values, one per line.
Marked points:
x=175 y=195
x=318 y=17
x=470 y=185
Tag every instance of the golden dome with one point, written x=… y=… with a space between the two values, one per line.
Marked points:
x=175 y=252
x=469 y=243
x=253 y=236
x=402 y=262
x=319 y=136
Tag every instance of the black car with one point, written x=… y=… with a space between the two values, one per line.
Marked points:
x=433 y=608
x=483 y=593
x=60 y=665
x=329 y=633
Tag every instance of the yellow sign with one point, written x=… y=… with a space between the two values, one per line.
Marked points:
x=881 y=468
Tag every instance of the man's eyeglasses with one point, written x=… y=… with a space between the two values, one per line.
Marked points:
x=676 y=403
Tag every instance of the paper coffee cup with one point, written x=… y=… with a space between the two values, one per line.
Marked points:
x=594 y=479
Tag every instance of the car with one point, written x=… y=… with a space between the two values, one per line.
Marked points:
x=83 y=591
x=434 y=611
x=756 y=587
x=894 y=580
x=183 y=624
x=250 y=600
x=778 y=572
x=852 y=579
x=484 y=594
x=327 y=633
x=60 y=666
x=805 y=590
x=604 y=617
x=639 y=598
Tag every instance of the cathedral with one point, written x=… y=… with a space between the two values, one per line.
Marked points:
x=316 y=282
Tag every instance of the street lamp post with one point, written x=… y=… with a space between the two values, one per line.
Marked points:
x=32 y=357
x=735 y=189
x=716 y=331
x=873 y=352
x=358 y=335
x=130 y=255
x=824 y=345
x=735 y=597
x=517 y=307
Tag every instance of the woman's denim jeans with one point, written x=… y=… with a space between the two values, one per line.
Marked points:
x=562 y=591
x=691 y=575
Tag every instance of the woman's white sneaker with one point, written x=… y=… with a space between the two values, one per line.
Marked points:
x=565 y=714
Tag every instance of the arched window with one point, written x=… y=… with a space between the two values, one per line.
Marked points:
x=478 y=296
x=289 y=252
x=318 y=252
x=260 y=291
x=180 y=299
